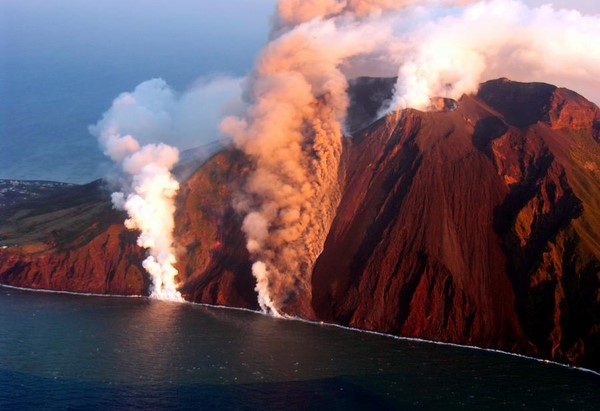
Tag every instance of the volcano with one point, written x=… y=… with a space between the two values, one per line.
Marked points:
x=477 y=222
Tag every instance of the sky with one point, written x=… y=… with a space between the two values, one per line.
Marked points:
x=62 y=63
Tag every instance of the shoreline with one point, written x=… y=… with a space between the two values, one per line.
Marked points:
x=319 y=323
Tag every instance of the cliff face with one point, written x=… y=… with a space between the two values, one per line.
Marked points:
x=477 y=224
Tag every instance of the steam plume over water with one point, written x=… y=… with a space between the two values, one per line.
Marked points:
x=148 y=193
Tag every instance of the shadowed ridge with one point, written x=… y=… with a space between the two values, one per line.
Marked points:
x=368 y=95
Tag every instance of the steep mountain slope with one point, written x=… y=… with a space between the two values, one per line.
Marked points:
x=214 y=264
x=477 y=224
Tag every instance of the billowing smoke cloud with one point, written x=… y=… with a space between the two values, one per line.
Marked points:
x=130 y=132
x=451 y=54
x=149 y=202
x=584 y=6
x=292 y=131
x=292 y=125
x=153 y=112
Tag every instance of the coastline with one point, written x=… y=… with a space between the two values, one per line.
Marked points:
x=318 y=323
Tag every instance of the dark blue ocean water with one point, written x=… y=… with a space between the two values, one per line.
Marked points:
x=62 y=351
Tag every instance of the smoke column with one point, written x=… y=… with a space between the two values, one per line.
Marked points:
x=150 y=206
x=154 y=112
x=149 y=199
x=292 y=130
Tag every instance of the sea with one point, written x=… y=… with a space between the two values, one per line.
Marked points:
x=64 y=351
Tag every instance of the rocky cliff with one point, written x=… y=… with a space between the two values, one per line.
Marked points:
x=476 y=224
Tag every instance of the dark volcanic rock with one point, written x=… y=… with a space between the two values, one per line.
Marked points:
x=214 y=263
x=413 y=249
x=524 y=104
x=521 y=104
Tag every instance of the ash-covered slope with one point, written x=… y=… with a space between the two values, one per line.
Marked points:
x=479 y=224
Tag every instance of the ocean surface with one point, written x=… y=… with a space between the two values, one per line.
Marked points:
x=60 y=351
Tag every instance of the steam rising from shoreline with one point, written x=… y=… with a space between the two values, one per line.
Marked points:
x=150 y=204
x=148 y=193
x=153 y=112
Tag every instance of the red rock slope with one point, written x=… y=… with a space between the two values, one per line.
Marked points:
x=477 y=226
x=71 y=241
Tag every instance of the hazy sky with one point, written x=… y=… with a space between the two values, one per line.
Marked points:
x=224 y=35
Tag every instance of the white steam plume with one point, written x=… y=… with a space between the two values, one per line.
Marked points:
x=153 y=112
x=150 y=204
x=452 y=54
